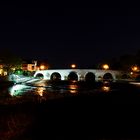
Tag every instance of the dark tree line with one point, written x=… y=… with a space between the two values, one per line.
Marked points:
x=12 y=62
x=125 y=62
x=9 y=60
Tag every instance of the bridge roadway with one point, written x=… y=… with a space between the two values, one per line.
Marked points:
x=80 y=74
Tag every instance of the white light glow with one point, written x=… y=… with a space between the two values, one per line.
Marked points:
x=16 y=90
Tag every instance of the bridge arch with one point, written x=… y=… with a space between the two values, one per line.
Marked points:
x=90 y=77
x=125 y=76
x=39 y=75
x=72 y=76
x=79 y=74
x=108 y=77
x=55 y=76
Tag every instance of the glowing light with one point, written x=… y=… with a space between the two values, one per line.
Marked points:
x=106 y=66
x=1 y=71
x=135 y=68
x=17 y=90
x=135 y=83
x=106 y=88
x=40 y=91
x=73 y=89
x=13 y=68
x=42 y=67
x=131 y=73
x=73 y=66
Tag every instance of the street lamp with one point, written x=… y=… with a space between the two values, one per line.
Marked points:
x=73 y=66
x=105 y=66
x=42 y=67
x=135 y=68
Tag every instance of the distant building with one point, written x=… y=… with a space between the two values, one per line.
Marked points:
x=2 y=72
x=29 y=65
x=1 y=66
x=1 y=69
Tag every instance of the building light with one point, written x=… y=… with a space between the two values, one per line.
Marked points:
x=1 y=71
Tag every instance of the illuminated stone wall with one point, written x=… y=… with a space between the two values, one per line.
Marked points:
x=81 y=73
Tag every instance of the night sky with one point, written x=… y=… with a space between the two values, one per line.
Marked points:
x=85 y=36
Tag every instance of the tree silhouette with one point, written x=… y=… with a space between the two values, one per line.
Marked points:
x=127 y=61
x=10 y=61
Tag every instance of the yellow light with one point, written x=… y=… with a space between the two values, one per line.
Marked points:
x=106 y=89
x=40 y=91
x=13 y=68
x=73 y=89
x=1 y=71
x=73 y=66
x=106 y=66
x=42 y=67
x=135 y=68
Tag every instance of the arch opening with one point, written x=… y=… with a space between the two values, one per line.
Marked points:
x=125 y=76
x=90 y=77
x=40 y=76
x=72 y=76
x=108 y=77
x=55 y=76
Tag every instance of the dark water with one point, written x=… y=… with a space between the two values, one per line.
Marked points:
x=44 y=110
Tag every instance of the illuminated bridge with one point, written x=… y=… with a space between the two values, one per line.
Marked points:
x=81 y=74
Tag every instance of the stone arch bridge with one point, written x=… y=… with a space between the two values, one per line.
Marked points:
x=80 y=74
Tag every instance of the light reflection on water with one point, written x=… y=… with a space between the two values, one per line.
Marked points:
x=105 y=88
x=73 y=89
x=40 y=91
x=19 y=89
x=42 y=88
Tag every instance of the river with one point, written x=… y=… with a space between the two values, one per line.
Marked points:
x=61 y=110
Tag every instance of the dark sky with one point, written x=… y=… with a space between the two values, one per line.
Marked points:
x=63 y=36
